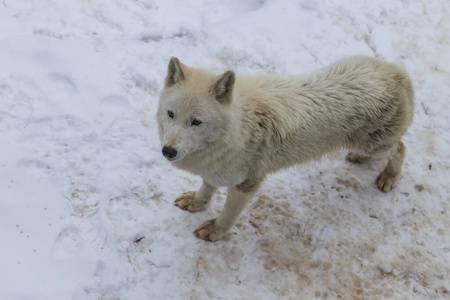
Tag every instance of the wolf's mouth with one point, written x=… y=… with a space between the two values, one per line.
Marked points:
x=171 y=159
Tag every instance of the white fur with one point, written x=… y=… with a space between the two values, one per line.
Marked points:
x=255 y=125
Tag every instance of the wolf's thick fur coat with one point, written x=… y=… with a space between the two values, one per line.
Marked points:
x=254 y=125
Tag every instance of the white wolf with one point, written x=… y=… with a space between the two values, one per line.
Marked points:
x=233 y=131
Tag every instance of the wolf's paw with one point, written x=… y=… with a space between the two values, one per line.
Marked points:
x=187 y=201
x=387 y=180
x=356 y=158
x=209 y=231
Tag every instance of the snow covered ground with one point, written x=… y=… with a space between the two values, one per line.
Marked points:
x=86 y=205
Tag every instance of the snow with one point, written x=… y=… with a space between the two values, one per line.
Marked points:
x=87 y=210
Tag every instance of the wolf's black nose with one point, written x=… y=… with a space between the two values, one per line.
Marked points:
x=169 y=152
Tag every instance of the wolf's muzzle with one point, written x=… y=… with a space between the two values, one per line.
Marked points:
x=169 y=153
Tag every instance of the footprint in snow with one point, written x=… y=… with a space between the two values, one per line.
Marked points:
x=116 y=102
x=36 y=167
x=68 y=242
x=63 y=83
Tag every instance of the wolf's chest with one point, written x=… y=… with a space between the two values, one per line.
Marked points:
x=223 y=178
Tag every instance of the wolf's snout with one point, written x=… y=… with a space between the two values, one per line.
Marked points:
x=169 y=153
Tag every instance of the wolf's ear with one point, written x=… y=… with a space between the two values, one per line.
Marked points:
x=223 y=88
x=175 y=72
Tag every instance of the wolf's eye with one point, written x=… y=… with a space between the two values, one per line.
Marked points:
x=196 y=122
x=170 y=113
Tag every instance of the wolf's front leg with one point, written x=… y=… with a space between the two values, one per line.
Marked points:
x=237 y=199
x=195 y=201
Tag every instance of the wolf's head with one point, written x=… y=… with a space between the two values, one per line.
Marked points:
x=194 y=109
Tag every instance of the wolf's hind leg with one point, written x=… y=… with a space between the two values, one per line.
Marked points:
x=195 y=201
x=389 y=177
